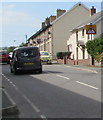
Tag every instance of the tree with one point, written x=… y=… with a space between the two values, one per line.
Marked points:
x=95 y=48
x=10 y=49
x=23 y=44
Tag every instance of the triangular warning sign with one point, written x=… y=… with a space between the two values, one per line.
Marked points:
x=90 y=29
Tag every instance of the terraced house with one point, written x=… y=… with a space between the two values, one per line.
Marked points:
x=78 y=38
x=55 y=30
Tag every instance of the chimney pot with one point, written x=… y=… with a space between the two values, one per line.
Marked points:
x=43 y=24
x=60 y=12
x=93 y=10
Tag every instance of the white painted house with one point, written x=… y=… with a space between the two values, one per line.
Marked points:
x=78 y=38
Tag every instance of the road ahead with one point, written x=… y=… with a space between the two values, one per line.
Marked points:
x=59 y=92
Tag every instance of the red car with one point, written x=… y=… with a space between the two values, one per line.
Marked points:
x=4 y=57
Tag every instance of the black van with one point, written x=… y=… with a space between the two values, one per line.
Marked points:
x=25 y=58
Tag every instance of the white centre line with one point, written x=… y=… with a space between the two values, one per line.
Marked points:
x=62 y=76
x=87 y=85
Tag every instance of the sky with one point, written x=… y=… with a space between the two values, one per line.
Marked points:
x=18 y=19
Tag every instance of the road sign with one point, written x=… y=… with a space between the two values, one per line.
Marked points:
x=91 y=29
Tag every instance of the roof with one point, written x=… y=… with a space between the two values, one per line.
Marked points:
x=68 y=11
x=92 y=20
x=38 y=32
x=43 y=29
x=20 y=48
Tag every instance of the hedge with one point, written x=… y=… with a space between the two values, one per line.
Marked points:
x=60 y=55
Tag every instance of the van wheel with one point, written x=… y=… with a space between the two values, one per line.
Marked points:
x=11 y=70
x=8 y=62
x=40 y=70
x=15 y=71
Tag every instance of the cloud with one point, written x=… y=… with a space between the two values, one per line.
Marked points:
x=15 y=24
x=7 y=7
x=11 y=17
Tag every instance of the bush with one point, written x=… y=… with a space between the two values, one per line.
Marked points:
x=95 y=48
x=60 y=55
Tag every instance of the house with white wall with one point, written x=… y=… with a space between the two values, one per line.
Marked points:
x=77 y=40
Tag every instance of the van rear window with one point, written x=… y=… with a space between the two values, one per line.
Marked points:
x=28 y=53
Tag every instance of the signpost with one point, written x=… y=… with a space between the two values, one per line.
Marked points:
x=91 y=29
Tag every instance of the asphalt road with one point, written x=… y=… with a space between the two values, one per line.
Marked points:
x=59 y=92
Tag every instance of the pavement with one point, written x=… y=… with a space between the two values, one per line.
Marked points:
x=9 y=107
x=94 y=69
x=91 y=68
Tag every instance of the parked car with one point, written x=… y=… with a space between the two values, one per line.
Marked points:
x=4 y=57
x=10 y=54
x=46 y=57
x=26 y=58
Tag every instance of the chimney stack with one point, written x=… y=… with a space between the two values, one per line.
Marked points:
x=43 y=24
x=93 y=10
x=52 y=18
x=47 y=21
x=60 y=12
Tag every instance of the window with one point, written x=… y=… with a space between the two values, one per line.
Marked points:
x=44 y=53
x=83 y=32
x=88 y=36
x=83 y=54
x=70 y=47
x=76 y=36
x=28 y=53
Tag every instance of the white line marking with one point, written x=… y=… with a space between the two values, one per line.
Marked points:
x=87 y=85
x=32 y=105
x=13 y=85
x=43 y=117
x=62 y=76
x=11 y=82
x=9 y=97
x=8 y=80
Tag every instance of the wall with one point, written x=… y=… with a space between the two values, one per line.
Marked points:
x=62 y=27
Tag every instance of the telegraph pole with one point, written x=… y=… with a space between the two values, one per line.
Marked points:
x=26 y=38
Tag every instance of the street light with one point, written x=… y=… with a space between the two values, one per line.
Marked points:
x=26 y=38
x=14 y=42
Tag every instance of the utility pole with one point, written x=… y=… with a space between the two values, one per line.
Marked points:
x=26 y=38
x=14 y=42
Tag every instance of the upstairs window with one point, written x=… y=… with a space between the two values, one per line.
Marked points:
x=83 y=32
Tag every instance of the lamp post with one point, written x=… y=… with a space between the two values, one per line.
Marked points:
x=26 y=38
x=14 y=42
